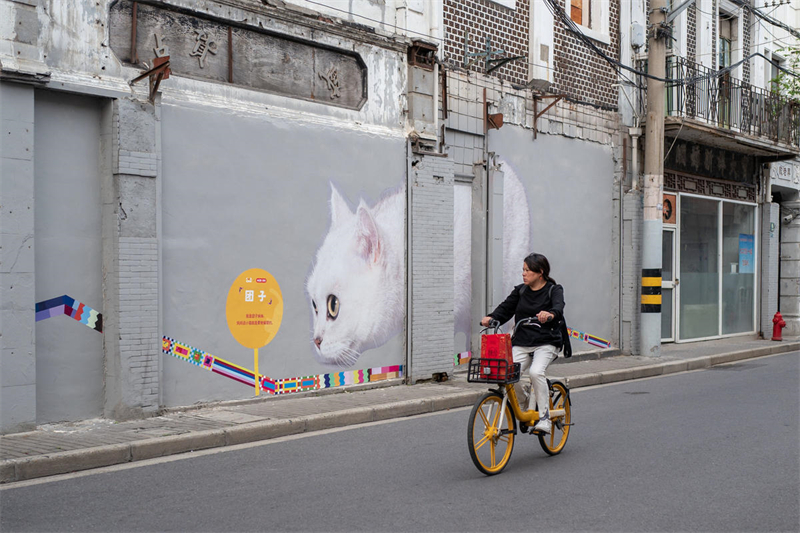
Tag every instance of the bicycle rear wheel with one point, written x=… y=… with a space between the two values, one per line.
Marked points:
x=553 y=443
x=490 y=444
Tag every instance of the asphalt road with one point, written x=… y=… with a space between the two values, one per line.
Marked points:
x=714 y=450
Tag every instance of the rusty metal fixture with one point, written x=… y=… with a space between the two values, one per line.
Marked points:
x=422 y=55
x=159 y=72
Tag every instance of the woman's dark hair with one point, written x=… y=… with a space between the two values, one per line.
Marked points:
x=539 y=264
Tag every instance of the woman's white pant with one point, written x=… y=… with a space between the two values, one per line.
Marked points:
x=536 y=360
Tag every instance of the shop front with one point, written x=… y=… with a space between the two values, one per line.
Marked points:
x=709 y=251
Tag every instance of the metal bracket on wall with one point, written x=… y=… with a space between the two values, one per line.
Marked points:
x=536 y=113
x=160 y=71
x=490 y=64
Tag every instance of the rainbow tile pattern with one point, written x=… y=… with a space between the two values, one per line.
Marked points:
x=207 y=361
x=462 y=358
x=589 y=339
x=65 y=305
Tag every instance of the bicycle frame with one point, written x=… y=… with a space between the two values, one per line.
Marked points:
x=527 y=417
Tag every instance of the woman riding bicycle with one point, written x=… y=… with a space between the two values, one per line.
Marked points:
x=534 y=347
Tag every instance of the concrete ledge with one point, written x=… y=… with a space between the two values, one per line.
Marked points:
x=159 y=447
x=71 y=461
x=401 y=409
x=443 y=403
x=256 y=431
x=583 y=380
x=346 y=417
x=7 y=472
x=674 y=367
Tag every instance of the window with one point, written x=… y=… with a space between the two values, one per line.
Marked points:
x=727 y=36
x=593 y=18
x=576 y=12
x=773 y=71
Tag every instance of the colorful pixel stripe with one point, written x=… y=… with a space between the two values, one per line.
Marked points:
x=205 y=360
x=589 y=339
x=64 y=305
x=462 y=358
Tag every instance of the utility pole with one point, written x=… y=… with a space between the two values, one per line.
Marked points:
x=653 y=181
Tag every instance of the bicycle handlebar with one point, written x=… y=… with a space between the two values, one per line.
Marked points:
x=495 y=325
x=530 y=321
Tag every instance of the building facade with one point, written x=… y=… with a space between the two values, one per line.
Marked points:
x=203 y=202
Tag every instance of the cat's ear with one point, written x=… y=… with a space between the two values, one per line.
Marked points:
x=368 y=241
x=339 y=207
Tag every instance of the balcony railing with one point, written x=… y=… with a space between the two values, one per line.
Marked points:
x=725 y=102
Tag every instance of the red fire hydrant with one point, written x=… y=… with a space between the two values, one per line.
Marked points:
x=780 y=323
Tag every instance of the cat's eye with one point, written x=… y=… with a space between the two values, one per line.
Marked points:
x=315 y=305
x=333 y=307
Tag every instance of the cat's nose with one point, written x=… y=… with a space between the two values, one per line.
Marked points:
x=317 y=341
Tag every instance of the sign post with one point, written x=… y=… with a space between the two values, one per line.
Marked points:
x=254 y=311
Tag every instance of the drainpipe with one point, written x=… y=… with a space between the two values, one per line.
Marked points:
x=635 y=134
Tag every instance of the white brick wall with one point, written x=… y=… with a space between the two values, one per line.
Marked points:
x=431 y=321
x=138 y=163
x=138 y=318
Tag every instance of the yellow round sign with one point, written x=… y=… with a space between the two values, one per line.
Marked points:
x=255 y=308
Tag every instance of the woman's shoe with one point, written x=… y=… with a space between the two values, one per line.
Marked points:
x=543 y=425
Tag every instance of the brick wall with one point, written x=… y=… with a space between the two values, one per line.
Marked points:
x=431 y=304
x=130 y=256
x=745 y=19
x=138 y=317
x=579 y=71
x=691 y=34
x=507 y=28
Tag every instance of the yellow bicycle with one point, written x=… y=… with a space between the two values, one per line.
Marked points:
x=493 y=420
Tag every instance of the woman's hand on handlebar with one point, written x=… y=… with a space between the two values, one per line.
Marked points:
x=545 y=316
x=486 y=321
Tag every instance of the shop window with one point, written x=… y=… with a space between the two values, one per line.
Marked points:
x=738 y=267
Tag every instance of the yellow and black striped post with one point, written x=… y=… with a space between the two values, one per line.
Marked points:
x=651 y=290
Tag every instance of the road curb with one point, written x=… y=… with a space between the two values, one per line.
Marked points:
x=72 y=461
x=99 y=456
x=672 y=367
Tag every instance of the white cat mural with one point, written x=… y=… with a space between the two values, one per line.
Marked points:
x=356 y=285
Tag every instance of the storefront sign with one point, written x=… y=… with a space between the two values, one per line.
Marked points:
x=746 y=255
x=212 y=50
x=669 y=203
x=785 y=174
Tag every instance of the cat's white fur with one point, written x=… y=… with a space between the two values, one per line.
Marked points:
x=361 y=263
x=516 y=241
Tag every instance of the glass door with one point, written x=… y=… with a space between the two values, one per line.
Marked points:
x=668 y=283
x=700 y=260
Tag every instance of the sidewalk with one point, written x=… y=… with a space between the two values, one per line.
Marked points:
x=60 y=448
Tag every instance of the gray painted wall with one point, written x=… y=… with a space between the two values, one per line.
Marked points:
x=17 y=272
x=243 y=192
x=69 y=355
x=569 y=186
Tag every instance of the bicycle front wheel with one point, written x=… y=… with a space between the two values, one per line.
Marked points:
x=553 y=443
x=490 y=435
